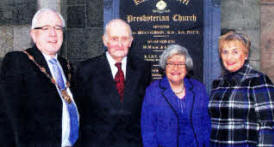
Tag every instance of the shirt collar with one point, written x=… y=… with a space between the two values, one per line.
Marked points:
x=113 y=68
x=47 y=57
x=112 y=61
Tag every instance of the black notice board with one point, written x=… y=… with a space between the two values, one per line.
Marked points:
x=158 y=23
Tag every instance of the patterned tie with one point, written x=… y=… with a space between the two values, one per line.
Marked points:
x=74 y=124
x=119 y=79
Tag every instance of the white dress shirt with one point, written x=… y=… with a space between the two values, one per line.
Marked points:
x=113 y=68
x=65 y=114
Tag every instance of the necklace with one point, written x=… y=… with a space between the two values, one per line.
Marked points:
x=180 y=91
x=64 y=93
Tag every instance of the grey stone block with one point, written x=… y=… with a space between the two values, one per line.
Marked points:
x=6 y=41
x=76 y=16
x=6 y=16
x=95 y=43
x=75 y=2
x=22 y=39
x=23 y=11
x=75 y=43
x=94 y=13
x=84 y=43
x=240 y=14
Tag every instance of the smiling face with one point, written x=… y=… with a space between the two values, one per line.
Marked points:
x=176 y=69
x=47 y=34
x=118 y=40
x=233 y=55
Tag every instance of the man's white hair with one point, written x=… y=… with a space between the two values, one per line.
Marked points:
x=36 y=15
x=108 y=25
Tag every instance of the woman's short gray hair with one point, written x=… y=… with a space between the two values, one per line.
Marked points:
x=175 y=49
x=35 y=17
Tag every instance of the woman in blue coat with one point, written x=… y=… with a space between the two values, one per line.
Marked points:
x=174 y=111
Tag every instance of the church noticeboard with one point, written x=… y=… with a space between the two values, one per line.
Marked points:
x=157 y=23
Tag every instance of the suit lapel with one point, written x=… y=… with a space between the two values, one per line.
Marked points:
x=109 y=82
x=39 y=58
x=132 y=79
x=169 y=95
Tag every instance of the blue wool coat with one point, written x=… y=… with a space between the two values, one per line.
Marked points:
x=159 y=119
x=241 y=107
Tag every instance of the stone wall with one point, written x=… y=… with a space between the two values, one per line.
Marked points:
x=85 y=27
x=267 y=37
x=254 y=18
x=15 y=22
x=82 y=36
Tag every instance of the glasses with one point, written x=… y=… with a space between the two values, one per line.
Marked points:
x=180 y=65
x=48 y=27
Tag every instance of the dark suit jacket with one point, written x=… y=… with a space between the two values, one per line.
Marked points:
x=105 y=121
x=6 y=133
x=33 y=105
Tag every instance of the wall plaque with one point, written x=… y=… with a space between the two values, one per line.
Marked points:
x=157 y=23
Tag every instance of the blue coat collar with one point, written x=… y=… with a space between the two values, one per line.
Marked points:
x=170 y=96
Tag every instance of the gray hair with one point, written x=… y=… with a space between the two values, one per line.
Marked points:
x=107 y=27
x=175 y=49
x=35 y=17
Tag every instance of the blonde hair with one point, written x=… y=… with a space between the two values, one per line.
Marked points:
x=234 y=36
